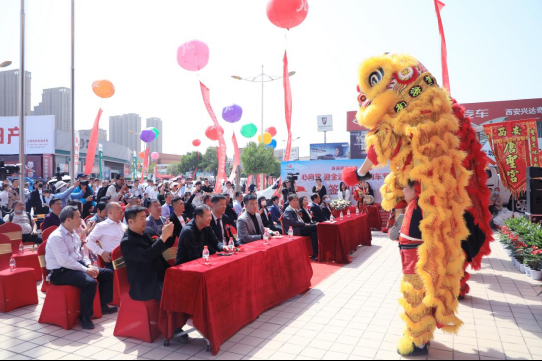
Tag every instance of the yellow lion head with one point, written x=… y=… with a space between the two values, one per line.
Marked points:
x=388 y=84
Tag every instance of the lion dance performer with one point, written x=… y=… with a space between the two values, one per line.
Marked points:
x=413 y=128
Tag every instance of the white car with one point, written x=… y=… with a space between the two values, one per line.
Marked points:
x=269 y=192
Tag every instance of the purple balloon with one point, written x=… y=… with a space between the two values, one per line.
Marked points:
x=147 y=135
x=232 y=113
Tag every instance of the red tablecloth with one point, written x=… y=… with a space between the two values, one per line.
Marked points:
x=352 y=209
x=337 y=240
x=375 y=220
x=232 y=292
x=29 y=259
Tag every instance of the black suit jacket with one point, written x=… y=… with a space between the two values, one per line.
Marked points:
x=178 y=227
x=145 y=265
x=193 y=240
x=230 y=212
x=227 y=223
x=291 y=219
x=306 y=216
x=318 y=213
x=327 y=213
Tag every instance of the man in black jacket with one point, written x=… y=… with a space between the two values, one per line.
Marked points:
x=292 y=219
x=317 y=212
x=230 y=212
x=145 y=265
x=221 y=223
x=177 y=217
x=196 y=235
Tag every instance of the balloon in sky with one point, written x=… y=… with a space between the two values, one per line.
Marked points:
x=232 y=113
x=273 y=144
x=155 y=155
x=103 y=88
x=249 y=130
x=147 y=135
x=142 y=154
x=267 y=138
x=196 y=143
x=272 y=131
x=156 y=131
x=193 y=55
x=287 y=14
x=212 y=133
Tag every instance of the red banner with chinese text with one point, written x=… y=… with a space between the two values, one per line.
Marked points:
x=287 y=107
x=515 y=146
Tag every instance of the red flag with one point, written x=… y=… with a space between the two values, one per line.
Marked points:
x=221 y=176
x=145 y=164
x=287 y=108
x=236 y=158
x=249 y=182
x=444 y=52
x=194 y=175
x=93 y=144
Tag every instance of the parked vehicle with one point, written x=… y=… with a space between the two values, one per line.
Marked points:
x=494 y=181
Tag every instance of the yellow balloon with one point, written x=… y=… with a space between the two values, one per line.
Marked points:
x=267 y=138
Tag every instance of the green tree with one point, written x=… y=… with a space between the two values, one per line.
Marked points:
x=210 y=161
x=190 y=161
x=174 y=168
x=258 y=159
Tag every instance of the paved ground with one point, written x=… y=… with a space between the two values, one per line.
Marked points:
x=351 y=315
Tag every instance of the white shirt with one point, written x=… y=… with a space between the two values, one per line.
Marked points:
x=136 y=191
x=112 y=192
x=223 y=240
x=237 y=207
x=231 y=192
x=21 y=220
x=346 y=196
x=181 y=219
x=4 y=198
x=108 y=233
x=151 y=193
x=64 y=250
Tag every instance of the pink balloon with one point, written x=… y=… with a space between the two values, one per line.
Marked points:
x=155 y=155
x=193 y=55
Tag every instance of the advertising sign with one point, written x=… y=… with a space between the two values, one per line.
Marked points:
x=352 y=124
x=40 y=135
x=294 y=154
x=329 y=151
x=48 y=166
x=358 y=148
x=33 y=167
x=76 y=139
x=512 y=109
x=331 y=173
x=325 y=123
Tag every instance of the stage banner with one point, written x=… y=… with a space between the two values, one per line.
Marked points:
x=515 y=147
x=331 y=173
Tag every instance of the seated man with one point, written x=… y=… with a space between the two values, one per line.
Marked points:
x=155 y=221
x=317 y=212
x=106 y=236
x=70 y=266
x=167 y=208
x=196 y=235
x=238 y=203
x=250 y=226
x=292 y=219
x=230 y=212
x=25 y=220
x=100 y=216
x=52 y=219
x=221 y=223
x=177 y=217
x=145 y=265
x=275 y=209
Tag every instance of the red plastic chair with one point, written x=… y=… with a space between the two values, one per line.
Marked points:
x=15 y=233
x=41 y=256
x=137 y=319
x=17 y=287
x=170 y=255
x=45 y=234
x=116 y=293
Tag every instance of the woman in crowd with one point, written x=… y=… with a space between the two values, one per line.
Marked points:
x=304 y=213
x=266 y=216
x=320 y=189
x=344 y=192
x=87 y=200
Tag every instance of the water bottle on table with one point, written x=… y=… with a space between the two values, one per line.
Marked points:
x=231 y=245
x=291 y=232
x=12 y=264
x=342 y=216
x=205 y=255
x=21 y=248
x=266 y=238
x=357 y=211
x=348 y=213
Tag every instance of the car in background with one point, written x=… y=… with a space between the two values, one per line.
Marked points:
x=494 y=181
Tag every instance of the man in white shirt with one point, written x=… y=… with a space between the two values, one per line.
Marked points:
x=117 y=190
x=25 y=221
x=106 y=235
x=136 y=190
x=167 y=208
x=4 y=196
x=151 y=191
x=70 y=266
x=237 y=204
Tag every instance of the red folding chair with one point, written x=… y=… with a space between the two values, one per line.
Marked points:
x=27 y=260
x=17 y=288
x=41 y=256
x=137 y=319
x=170 y=255
x=15 y=233
x=45 y=234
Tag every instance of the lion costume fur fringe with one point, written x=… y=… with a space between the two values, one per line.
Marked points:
x=413 y=127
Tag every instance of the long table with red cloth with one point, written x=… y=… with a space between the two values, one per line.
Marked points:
x=233 y=291
x=337 y=240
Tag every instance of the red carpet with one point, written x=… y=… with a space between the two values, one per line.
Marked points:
x=322 y=271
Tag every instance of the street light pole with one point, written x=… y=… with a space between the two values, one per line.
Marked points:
x=72 y=162
x=22 y=139
x=262 y=104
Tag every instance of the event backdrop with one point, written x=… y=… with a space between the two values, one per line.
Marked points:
x=329 y=151
x=40 y=135
x=331 y=173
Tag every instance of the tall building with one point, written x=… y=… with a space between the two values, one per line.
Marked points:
x=125 y=129
x=102 y=134
x=156 y=145
x=9 y=93
x=57 y=102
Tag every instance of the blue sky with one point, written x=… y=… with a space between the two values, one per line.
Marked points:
x=494 y=54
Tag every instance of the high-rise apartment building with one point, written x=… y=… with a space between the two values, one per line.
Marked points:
x=9 y=93
x=102 y=134
x=125 y=129
x=156 y=145
x=57 y=102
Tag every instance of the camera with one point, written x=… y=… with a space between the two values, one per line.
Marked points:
x=59 y=174
x=292 y=177
x=85 y=183
x=7 y=170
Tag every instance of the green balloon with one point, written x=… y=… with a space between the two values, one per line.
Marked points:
x=249 y=130
x=156 y=131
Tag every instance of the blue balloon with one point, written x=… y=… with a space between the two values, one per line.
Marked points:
x=273 y=144
x=232 y=113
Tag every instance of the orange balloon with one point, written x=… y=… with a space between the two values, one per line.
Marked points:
x=142 y=155
x=103 y=88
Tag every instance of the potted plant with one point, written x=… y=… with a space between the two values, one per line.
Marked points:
x=535 y=262
x=340 y=205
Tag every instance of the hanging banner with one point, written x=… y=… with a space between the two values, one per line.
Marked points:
x=221 y=176
x=287 y=107
x=443 y=51
x=101 y=160
x=145 y=164
x=76 y=141
x=93 y=144
x=236 y=158
x=515 y=147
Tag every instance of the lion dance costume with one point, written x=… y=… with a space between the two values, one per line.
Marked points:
x=416 y=128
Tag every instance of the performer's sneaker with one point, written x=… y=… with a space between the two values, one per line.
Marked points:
x=417 y=351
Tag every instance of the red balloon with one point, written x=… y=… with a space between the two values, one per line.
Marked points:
x=287 y=14
x=272 y=131
x=212 y=133
x=196 y=143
